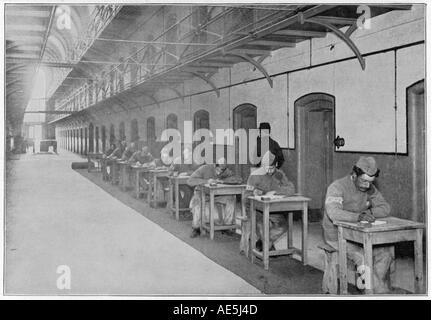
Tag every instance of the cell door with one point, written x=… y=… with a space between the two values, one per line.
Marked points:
x=244 y=117
x=315 y=134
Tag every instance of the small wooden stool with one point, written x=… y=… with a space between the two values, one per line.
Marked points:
x=330 y=275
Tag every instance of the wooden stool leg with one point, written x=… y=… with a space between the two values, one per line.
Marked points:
x=330 y=275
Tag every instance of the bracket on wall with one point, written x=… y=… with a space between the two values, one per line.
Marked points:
x=207 y=80
x=149 y=96
x=343 y=36
x=178 y=93
x=255 y=63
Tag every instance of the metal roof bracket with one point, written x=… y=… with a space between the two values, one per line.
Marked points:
x=207 y=80
x=339 y=34
x=256 y=64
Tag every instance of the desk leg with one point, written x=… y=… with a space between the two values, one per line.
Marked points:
x=253 y=230
x=211 y=215
x=289 y=230
x=418 y=262
x=137 y=184
x=342 y=261
x=202 y=208
x=305 y=233
x=266 y=236
x=368 y=253
x=150 y=187
x=171 y=196
x=154 y=195
x=177 y=202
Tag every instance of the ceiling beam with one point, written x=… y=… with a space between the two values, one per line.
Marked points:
x=274 y=43
x=24 y=27
x=247 y=51
x=337 y=20
x=300 y=33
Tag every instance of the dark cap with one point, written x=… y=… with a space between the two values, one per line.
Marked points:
x=264 y=126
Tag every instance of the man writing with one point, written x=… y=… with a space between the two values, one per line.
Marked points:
x=268 y=180
x=224 y=205
x=354 y=198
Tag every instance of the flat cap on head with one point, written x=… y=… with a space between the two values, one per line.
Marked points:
x=367 y=165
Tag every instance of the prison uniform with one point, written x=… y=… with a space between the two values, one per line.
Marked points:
x=279 y=183
x=344 y=202
x=138 y=157
x=224 y=205
x=128 y=153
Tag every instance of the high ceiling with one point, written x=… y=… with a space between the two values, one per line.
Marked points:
x=34 y=35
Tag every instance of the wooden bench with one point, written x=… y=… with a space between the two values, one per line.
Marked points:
x=330 y=275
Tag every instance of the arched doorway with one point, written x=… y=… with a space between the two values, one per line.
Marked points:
x=201 y=120
x=112 y=134
x=134 y=130
x=97 y=139
x=122 y=131
x=314 y=131
x=416 y=144
x=103 y=138
x=172 y=121
x=90 y=138
x=244 y=117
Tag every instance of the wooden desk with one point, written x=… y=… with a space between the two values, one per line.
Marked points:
x=267 y=207
x=155 y=174
x=220 y=190
x=174 y=189
x=395 y=230
x=115 y=168
x=138 y=170
x=124 y=175
x=96 y=158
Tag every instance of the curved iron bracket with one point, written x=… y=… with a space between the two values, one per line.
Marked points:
x=341 y=35
x=149 y=96
x=256 y=64
x=207 y=80
x=179 y=94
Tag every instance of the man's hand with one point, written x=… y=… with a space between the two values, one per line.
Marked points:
x=270 y=193
x=212 y=181
x=366 y=216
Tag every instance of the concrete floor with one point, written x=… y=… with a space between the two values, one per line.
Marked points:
x=57 y=217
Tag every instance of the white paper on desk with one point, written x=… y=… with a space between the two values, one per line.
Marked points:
x=274 y=196
x=378 y=222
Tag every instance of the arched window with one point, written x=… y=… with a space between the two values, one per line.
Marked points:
x=151 y=129
x=201 y=120
x=172 y=121
x=122 y=131
x=134 y=130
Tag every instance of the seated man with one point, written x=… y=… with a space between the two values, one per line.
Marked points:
x=224 y=205
x=116 y=154
x=268 y=180
x=183 y=167
x=355 y=198
x=141 y=157
x=128 y=152
x=106 y=154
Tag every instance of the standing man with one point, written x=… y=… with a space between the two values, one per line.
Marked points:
x=268 y=180
x=354 y=198
x=224 y=205
x=274 y=147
